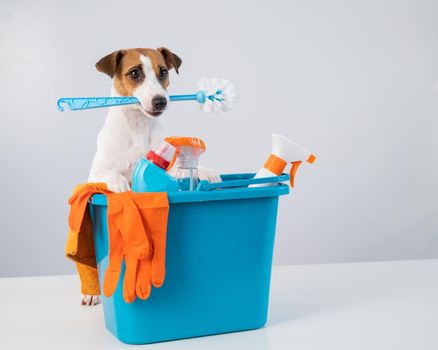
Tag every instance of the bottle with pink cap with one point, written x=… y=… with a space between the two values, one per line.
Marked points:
x=150 y=173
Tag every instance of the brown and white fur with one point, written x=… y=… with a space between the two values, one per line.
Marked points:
x=130 y=131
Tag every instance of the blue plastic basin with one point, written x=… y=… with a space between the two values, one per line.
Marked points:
x=218 y=266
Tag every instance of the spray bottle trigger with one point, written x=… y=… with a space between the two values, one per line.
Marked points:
x=311 y=159
x=293 y=171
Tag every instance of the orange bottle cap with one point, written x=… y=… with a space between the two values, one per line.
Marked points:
x=180 y=141
x=177 y=141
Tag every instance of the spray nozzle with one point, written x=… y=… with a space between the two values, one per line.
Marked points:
x=188 y=150
x=286 y=151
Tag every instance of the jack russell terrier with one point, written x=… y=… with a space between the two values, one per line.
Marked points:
x=131 y=130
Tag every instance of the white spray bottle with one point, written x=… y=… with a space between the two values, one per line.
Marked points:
x=284 y=151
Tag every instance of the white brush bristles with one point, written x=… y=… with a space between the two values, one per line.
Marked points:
x=224 y=101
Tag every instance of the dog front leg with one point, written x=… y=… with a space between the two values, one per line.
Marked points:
x=89 y=284
x=114 y=180
x=109 y=169
x=117 y=183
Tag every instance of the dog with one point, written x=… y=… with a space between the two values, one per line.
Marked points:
x=130 y=131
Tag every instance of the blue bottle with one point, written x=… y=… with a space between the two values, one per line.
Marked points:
x=150 y=172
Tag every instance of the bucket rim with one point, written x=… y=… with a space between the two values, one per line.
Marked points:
x=222 y=194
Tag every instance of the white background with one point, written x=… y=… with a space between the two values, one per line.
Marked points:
x=354 y=82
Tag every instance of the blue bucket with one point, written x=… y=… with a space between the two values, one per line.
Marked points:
x=218 y=263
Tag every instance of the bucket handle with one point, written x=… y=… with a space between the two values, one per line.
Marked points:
x=204 y=185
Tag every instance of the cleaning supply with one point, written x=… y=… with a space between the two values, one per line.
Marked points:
x=154 y=210
x=150 y=173
x=80 y=242
x=128 y=242
x=284 y=151
x=219 y=249
x=188 y=150
x=214 y=95
x=137 y=226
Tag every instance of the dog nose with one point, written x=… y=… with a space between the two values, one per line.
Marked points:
x=159 y=103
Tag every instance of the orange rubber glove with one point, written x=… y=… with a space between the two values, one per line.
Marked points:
x=78 y=202
x=154 y=210
x=137 y=226
x=80 y=244
x=127 y=240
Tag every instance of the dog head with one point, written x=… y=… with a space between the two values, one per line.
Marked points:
x=143 y=73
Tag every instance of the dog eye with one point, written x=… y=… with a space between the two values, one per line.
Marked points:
x=163 y=73
x=134 y=74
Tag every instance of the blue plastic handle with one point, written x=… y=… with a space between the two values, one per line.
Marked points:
x=78 y=103
x=244 y=181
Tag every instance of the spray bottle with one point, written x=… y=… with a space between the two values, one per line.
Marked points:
x=284 y=151
x=150 y=172
x=188 y=150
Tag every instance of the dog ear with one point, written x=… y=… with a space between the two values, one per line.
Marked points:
x=172 y=60
x=109 y=63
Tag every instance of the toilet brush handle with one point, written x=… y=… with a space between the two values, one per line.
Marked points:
x=80 y=103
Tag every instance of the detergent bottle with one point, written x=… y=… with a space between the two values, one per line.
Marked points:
x=150 y=172
x=188 y=150
x=284 y=151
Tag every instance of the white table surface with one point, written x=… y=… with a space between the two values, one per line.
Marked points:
x=377 y=305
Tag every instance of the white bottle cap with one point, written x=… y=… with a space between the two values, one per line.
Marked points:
x=166 y=151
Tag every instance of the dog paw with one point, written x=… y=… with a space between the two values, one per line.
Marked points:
x=209 y=175
x=90 y=300
x=118 y=186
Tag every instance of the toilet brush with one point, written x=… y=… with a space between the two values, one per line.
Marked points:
x=214 y=95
